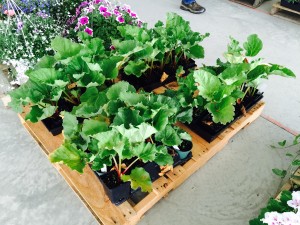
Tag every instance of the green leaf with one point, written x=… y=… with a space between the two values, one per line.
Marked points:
x=115 y=91
x=253 y=45
x=145 y=152
x=127 y=117
x=132 y=98
x=44 y=75
x=96 y=46
x=136 y=68
x=65 y=48
x=280 y=173
x=36 y=113
x=168 y=136
x=197 y=52
x=45 y=62
x=223 y=111
x=281 y=71
x=282 y=143
x=93 y=126
x=289 y=155
x=208 y=84
x=257 y=72
x=109 y=67
x=70 y=125
x=139 y=178
x=186 y=116
x=161 y=119
x=296 y=162
x=235 y=74
x=70 y=156
x=136 y=134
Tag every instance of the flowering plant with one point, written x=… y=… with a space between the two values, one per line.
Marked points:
x=285 y=211
x=100 y=18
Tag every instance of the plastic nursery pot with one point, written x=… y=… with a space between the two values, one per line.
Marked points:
x=153 y=169
x=117 y=191
x=293 y=6
x=183 y=149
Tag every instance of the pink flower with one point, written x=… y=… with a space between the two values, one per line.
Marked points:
x=97 y=1
x=89 y=31
x=106 y=14
x=139 y=23
x=9 y=12
x=83 y=20
x=116 y=12
x=133 y=15
x=120 y=19
x=102 y=8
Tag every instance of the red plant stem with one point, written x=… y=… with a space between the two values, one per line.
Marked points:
x=130 y=166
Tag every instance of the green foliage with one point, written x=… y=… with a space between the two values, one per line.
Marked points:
x=139 y=178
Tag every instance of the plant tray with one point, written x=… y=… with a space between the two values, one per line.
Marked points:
x=285 y=13
x=91 y=192
x=249 y=3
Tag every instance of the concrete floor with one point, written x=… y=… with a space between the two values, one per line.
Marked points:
x=229 y=190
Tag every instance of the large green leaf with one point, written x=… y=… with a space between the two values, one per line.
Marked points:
x=70 y=156
x=109 y=67
x=117 y=89
x=168 y=136
x=223 y=111
x=93 y=126
x=132 y=98
x=136 y=68
x=196 y=51
x=163 y=158
x=45 y=75
x=127 y=117
x=208 y=84
x=45 y=62
x=253 y=45
x=235 y=74
x=39 y=113
x=70 y=124
x=281 y=71
x=92 y=102
x=257 y=72
x=136 y=134
x=161 y=119
x=65 y=48
x=145 y=152
x=139 y=178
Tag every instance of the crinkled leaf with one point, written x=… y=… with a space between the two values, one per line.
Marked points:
x=163 y=158
x=45 y=62
x=257 y=72
x=185 y=116
x=136 y=134
x=196 y=52
x=168 y=136
x=161 y=119
x=132 y=98
x=115 y=90
x=44 y=75
x=136 y=68
x=36 y=113
x=145 y=151
x=65 y=48
x=223 y=111
x=127 y=117
x=253 y=45
x=93 y=126
x=139 y=178
x=207 y=84
x=70 y=156
x=234 y=74
x=70 y=124
x=109 y=67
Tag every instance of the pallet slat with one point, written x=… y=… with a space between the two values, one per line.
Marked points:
x=90 y=190
x=285 y=13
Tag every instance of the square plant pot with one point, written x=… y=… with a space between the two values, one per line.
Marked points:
x=292 y=6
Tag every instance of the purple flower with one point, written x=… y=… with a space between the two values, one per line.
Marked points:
x=43 y=15
x=89 y=9
x=112 y=47
x=116 y=12
x=139 y=23
x=83 y=4
x=89 y=31
x=102 y=9
x=133 y=15
x=106 y=14
x=20 y=25
x=83 y=20
x=97 y=1
x=120 y=19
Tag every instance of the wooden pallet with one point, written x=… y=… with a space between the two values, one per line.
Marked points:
x=90 y=191
x=249 y=3
x=285 y=13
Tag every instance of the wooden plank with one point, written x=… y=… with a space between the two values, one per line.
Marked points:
x=90 y=190
x=285 y=13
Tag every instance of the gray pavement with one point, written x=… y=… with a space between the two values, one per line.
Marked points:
x=229 y=190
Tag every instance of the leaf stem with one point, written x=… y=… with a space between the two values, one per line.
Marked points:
x=131 y=164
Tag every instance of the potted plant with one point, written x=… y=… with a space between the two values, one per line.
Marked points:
x=152 y=56
x=291 y=4
x=59 y=82
x=222 y=93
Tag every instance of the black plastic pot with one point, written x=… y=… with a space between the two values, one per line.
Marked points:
x=292 y=6
x=202 y=124
x=153 y=169
x=117 y=191
x=152 y=81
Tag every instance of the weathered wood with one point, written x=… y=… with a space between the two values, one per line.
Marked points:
x=285 y=13
x=90 y=190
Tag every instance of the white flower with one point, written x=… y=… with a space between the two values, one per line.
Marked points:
x=272 y=218
x=295 y=202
